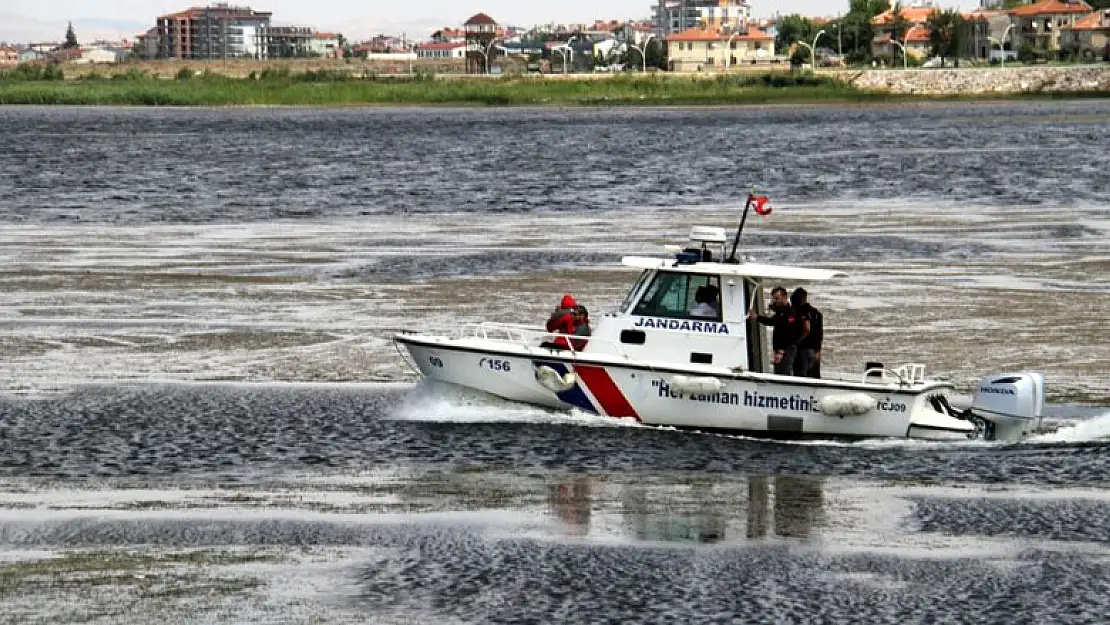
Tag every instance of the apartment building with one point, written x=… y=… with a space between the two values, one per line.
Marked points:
x=212 y=32
x=675 y=16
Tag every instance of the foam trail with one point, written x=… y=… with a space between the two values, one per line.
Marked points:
x=1093 y=429
x=438 y=402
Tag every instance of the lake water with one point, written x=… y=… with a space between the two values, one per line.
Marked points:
x=203 y=417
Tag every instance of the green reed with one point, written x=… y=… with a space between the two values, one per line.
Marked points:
x=279 y=87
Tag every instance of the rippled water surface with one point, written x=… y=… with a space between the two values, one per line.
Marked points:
x=202 y=417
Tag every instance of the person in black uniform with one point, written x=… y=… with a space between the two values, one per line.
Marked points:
x=789 y=329
x=808 y=360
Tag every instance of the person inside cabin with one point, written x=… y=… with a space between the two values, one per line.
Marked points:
x=706 y=299
x=581 y=327
x=810 y=347
x=562 y=321
x=788 y=330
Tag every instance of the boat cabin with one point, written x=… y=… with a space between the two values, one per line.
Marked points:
x=693 y=308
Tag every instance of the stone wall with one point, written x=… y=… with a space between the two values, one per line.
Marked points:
x=986 y=80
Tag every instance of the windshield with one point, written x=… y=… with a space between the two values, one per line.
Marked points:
x=634 y=290
x=680 y=295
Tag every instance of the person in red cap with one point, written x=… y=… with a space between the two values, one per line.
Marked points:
x=563 y=321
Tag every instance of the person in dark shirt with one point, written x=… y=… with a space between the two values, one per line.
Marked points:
x=788 y=330
x=808 y=360
x=581 y=327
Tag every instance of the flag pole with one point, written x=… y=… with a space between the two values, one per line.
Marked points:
x=743 y=218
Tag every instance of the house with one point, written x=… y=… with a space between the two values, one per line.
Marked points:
x=67 y=55
x=96 y=55
x=448 y=35
x=1089 y=37
x=1039 y=25
x=8 y=56
x=28 y=56
x=910 y=32
x=454 y=50
x=634 y=33
x=481 y=32
x=990 y=33
x=325 y=45
x=915 y=41
x=700 y=49
x=146 y=45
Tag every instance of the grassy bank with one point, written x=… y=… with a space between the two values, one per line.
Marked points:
x=328 y=89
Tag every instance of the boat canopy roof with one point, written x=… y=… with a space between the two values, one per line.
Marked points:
x=748 y=270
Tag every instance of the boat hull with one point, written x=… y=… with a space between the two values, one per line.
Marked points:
x=778 y=406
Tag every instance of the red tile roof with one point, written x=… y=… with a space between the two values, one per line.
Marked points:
x=917 y=35
x=983 y=13
x=450 y=32
x=913 y=15
x=180 y=15
x=215 y=10
x=442 y=45
x=716 y=34
x=1099 y=20
x=479 y=18
x=1051 y=7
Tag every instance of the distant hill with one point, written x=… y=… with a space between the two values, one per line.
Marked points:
x=18 y=29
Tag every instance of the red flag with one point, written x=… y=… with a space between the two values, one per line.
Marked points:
x=760 y=204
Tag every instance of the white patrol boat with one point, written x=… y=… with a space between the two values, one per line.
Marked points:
x=653 y=361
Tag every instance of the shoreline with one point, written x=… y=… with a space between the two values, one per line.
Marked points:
x=328 y=90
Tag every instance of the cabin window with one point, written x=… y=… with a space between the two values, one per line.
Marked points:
x=675 y=295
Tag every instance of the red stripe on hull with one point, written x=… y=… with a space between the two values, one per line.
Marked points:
x=601 y=385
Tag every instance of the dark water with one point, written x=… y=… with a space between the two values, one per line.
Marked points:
x=703 y=528
x=129 y=166
x=429 y=505
x=238 y=431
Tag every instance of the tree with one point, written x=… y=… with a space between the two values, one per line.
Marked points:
x=656 y=55
x=898 y=22
x=870 y=7
x=793 y=28
x=856 y=37
x=857 y=30
x=71 y=38
x=947 y=35
x=599 y=60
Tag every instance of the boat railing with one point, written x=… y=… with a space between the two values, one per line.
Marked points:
x=909 y=374
x=530 y=336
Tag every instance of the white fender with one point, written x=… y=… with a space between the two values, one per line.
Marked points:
x=698 y=384
x=551 y=380
x=846 y=404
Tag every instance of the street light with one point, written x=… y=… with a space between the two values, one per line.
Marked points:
x=643 y=50
x=485 y=53
x=562 y=55
x=728 y=50
x=813 y=49
x=569 y=51
x=901 y=44
x=504 y=51
x=1000 y=43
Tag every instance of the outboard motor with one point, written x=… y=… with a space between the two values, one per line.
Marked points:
x=1012 y=403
